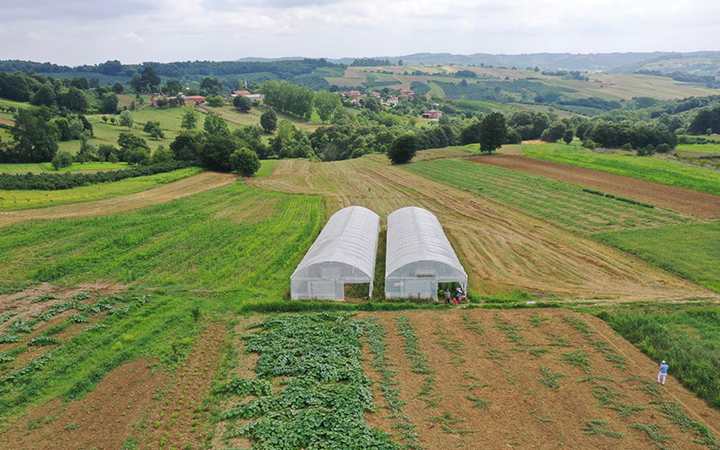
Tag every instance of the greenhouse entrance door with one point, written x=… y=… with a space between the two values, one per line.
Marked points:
x=323 y=289
x=419 y=288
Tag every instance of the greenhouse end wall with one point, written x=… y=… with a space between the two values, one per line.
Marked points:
x=419 y=256
x=343 y=253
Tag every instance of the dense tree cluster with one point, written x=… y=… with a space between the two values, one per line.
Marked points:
x=706 y=121
x=289 y=98
x=217 y=148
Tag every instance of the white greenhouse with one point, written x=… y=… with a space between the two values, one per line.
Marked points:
x=419 y=256
x=344 y=253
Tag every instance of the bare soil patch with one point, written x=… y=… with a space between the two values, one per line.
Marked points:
x=502 y=249
x=490 y=392
x=162 y=194
x=686 y=201
x=175 y=419
x=101 y=420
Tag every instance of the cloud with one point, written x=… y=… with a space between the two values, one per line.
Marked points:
x=13 y=10
x=83 y=31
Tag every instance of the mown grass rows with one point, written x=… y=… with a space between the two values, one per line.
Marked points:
x=555 y=201
x=324 y=394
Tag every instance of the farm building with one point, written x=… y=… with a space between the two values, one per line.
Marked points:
x=343 y=254
x=419 y=256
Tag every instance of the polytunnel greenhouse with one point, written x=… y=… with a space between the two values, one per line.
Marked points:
x=343 y=254
x=419 y=256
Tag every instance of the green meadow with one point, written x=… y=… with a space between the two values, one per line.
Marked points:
x=656 y=169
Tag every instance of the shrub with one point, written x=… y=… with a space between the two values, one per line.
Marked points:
x=245 y=162
x=589 y=144
x=242 y=104
x=62 y=159
x=215 y=101
x=403 y=149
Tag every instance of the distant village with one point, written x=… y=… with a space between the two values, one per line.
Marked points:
x=352 y=97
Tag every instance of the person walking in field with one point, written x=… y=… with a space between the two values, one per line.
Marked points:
x=662 y=373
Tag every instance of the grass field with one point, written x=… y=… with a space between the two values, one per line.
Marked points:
x=16 y=200
x=656 y=169
x=698 y=149
x=555 y=201
x=692 y=251
x=688 y=337
x=47 y=167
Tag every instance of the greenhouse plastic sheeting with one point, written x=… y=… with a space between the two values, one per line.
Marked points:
x=344 y=253
x=419 y=256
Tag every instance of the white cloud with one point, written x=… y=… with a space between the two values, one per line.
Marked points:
x=80 y=31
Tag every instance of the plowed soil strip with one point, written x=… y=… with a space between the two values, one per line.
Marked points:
x=693 y=203
x=163 y=194
x=103 y=419
x=175 y=415
x=491 y=392
x=502 y=249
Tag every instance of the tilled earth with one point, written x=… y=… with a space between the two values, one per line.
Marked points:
x=488 y=392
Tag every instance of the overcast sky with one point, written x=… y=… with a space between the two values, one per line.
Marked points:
x=88 y=32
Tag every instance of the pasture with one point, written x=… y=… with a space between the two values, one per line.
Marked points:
x=655 y=169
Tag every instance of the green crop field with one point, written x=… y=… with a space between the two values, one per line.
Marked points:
x=656 y=169
x=15 y=200
x=561 y=203
x=47 y=167
x=172 y=245
x=200 y=256
x=692 y=251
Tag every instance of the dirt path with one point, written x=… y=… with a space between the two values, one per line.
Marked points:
x=686 y=201
x=502 y=249
x=102 y=420
x=490 y=391
x=162 y=194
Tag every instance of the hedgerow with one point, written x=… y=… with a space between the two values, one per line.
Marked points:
x=56 y=181
x=325 y=394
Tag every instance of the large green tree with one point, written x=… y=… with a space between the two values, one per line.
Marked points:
x=35 y=139
x=492 y=132
x=268 y=121
x=403 y=149
x=326 y=103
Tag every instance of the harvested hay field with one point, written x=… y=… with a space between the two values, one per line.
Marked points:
x=686 y=201
x=504 y=250
x=524 y=379
x=163 y=194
